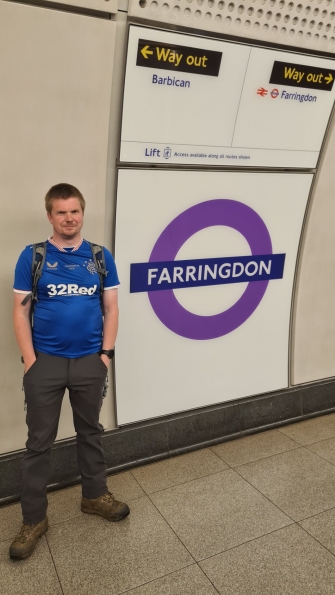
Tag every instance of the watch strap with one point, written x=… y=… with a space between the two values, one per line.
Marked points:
x=108 y=352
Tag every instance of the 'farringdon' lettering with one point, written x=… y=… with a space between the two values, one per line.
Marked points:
x=225 y=271
x=156 y=276
x=70 y=289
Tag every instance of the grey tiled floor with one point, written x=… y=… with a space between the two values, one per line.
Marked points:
x=255 y=516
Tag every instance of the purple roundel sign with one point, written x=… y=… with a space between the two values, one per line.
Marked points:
x=226 y=212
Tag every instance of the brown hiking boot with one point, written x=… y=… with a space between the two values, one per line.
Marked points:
x=106 y=506
x=25 y=542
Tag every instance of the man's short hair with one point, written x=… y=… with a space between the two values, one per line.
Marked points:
x=64 y=191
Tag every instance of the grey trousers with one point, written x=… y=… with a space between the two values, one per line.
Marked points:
x=44 y=386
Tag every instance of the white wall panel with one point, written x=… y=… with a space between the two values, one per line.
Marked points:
x=164 y=364
x=55 y=78
x=314 y=323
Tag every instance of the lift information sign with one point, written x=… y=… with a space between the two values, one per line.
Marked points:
x=166 y=56
x=298 y=75
x=252 y=107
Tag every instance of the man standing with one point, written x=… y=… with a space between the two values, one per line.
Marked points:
x=69 y=346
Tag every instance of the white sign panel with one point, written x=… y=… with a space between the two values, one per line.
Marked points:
x=206 y=262
x=191 y=100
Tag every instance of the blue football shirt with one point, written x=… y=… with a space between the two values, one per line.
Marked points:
x=67 y=315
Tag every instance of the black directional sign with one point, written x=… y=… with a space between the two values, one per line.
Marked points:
x=298 y=75
x=178 y=58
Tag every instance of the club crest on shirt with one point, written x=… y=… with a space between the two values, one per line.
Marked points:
x=52 y=266
x=90 y=266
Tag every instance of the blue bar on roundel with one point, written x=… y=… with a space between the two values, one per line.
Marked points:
x=176 y=274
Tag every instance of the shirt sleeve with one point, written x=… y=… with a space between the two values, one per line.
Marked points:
x=23 y=277
x=112 y=279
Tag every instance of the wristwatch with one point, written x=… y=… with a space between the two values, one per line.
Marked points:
x=108 y=352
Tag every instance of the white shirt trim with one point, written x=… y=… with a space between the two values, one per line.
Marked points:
x=61 y=249
x=114 y=287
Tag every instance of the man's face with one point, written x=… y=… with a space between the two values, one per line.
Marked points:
x=66 y=217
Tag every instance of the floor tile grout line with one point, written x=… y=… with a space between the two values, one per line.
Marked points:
x=192 y=563
x=315 y=515
x=317 y=441
x=138 y=483
x=218 y=456
x=234 y=547
x=317 y=454
x=157 y=578
x=167 y=522
x=280 y=429
x=317 y=540
x=269 y=456
x=309 y=443
x=208 y=578
x=55 y=567
x=262 y=458
x=278 y=454
x=220 y=443
x=294 y=522
x=243 y=479
x=184 y=482
x=206 y=575
x=189 y=481
x=267 y=498
x=51 y=525
x=228 y=549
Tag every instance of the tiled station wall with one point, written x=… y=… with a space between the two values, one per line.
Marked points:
x=56 y=69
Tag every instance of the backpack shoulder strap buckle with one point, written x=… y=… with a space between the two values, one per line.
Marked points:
x=37 y=264
x=98 y=255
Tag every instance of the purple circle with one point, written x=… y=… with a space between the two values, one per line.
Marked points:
x=230 y=213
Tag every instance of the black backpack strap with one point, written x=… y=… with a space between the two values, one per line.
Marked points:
x=100 y=264
x=37 y=264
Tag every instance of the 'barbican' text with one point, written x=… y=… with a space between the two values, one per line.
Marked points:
x=170 y=81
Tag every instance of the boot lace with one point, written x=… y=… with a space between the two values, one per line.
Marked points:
x=108 y=497
x=25 y=532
